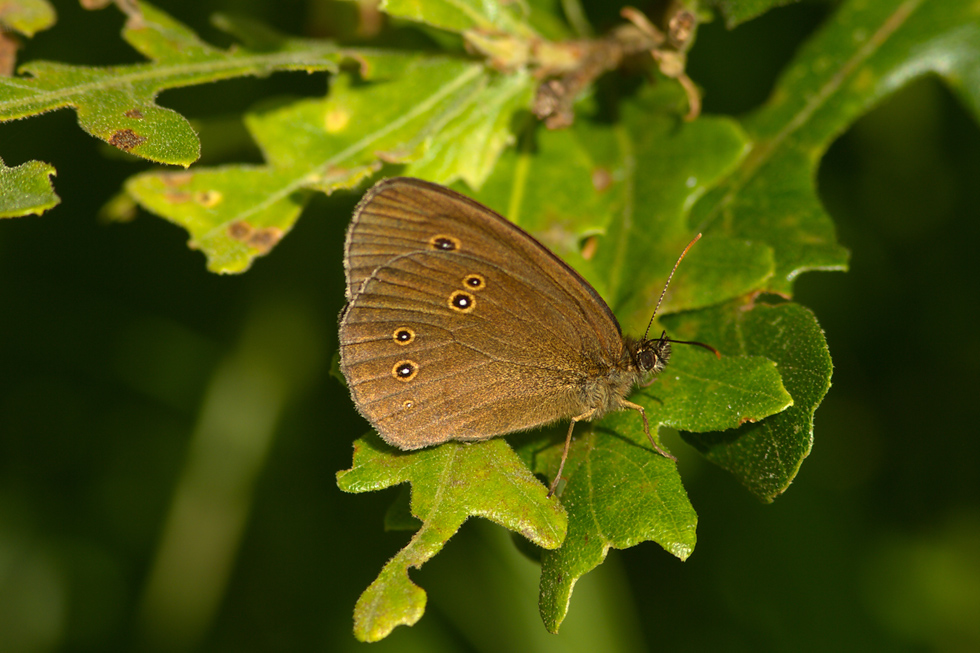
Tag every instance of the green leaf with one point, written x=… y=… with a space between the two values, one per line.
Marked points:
x=26 y=189
x=765 y=456
x=864 y=52
x=450 y=483
x=117 y=104
x=468 y=147
x=629 y=185
x=230 y=212
x=27 y=16
x=651 y=168
x=737 y=12
x=668 y=167
x=619 y=200
x=336 y=142
x=463 y=15
x=619 y=492
x=618 y=196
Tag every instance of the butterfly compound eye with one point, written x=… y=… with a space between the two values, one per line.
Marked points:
x=653 y=355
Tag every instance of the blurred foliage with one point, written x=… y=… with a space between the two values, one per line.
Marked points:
x=166 y=480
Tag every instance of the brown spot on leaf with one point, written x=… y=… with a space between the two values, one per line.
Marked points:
x=176 y=179
x=126 y=139
x=396 y=156
x=209 y=198
x=134 y=113
x=601 y=179
x=240 y=230
x=265 y=239
x=177 y=198
x=332 y=174
x=336 y=120
x=261 y=239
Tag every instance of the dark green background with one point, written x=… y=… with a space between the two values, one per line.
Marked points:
x=111 y=335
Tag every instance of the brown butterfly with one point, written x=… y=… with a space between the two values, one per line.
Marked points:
x=459 y=325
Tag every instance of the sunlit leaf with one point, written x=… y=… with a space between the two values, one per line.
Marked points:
x=26 y=189
x=449 y=484
x=118 y=103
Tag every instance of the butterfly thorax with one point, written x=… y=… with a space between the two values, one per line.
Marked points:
x=604 y=390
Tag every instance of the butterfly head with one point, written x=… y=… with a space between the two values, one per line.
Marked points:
x=651 y=356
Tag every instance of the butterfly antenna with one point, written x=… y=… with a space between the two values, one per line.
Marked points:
x=692 y=342
x=664 y=292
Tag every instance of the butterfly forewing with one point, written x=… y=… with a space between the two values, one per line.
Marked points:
x=400 y=215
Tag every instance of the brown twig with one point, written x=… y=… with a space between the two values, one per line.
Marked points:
x=563 y=83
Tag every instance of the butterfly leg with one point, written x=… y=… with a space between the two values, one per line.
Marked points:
x=564 y=453
x=646 y=428
x=648 y=382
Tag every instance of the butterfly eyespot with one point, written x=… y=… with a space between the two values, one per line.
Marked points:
x=444 y=242
x=405 y=370
x=403 y=336
x=462 y=302
x=408 y=404
x=475 y=281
